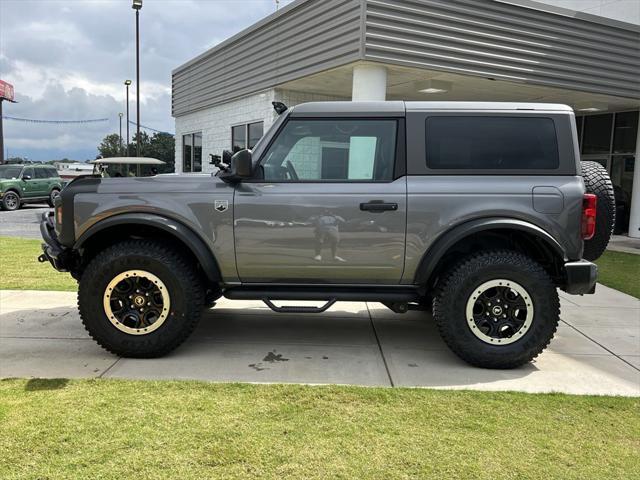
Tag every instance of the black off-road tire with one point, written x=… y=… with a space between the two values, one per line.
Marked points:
x=449 y=308
x=54 y=193
x=178 y=274
x=9 y=206
x=597 y=181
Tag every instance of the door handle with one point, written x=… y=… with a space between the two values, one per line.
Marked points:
x=378 y=206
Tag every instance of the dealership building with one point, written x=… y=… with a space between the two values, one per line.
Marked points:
x=470 y=50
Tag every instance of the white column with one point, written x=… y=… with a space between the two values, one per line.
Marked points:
x=634 y=220
x=369 y=83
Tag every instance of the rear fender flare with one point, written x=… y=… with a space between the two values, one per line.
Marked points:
x=445 y=241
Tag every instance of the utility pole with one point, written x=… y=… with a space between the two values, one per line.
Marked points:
x=120 y=135
x=137 y=5
x=127 y=83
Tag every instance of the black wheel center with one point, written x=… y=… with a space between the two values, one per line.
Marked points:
x=139 y=301
x=497 y=310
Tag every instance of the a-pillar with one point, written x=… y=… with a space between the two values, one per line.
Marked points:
x=369 y=83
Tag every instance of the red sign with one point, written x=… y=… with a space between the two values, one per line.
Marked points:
x=6 y=91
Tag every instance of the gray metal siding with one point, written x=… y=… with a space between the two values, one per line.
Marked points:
x=304 y=38
x=504 y=41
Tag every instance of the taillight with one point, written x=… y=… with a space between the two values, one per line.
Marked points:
x=59 y=215
x=589 y=203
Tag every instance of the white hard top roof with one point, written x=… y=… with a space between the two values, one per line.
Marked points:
x=346 y=108
x=547 y=107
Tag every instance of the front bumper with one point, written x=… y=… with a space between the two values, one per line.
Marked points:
x=53 y=251
x=581 y=277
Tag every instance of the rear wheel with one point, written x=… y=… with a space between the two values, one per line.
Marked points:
x=497 y=309
x=52 y=196
x=140 y=298
x=597 y=181
x=10 y=201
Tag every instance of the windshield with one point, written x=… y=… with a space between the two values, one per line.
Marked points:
x=9 y=171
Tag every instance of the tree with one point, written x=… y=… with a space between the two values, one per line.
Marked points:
x=110 y=146
x=161 y=146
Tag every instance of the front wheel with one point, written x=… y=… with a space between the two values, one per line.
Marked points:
x=497 y=309
x=140 y=298
x=10 y=201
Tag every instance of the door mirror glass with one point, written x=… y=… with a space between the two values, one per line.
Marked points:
x=26 y=177
x=226 y=157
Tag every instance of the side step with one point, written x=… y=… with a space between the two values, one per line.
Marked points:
x=395 y=298
x=297 y=309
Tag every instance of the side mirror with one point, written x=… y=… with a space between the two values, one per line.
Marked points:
x=241 y=164
x=26 y=177
x=226 y=156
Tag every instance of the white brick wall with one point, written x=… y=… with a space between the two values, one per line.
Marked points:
x=215 y=123
x=623 y=10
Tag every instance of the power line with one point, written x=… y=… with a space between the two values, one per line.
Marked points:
x=149 y=128
x=72 y=122
x=64 y=122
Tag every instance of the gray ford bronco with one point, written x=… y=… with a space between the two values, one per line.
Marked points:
x=476 y=212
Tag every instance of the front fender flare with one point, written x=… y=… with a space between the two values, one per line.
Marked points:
x=445 y=241
x=180 y=231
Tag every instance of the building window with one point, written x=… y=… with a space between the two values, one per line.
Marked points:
x=610 y=140
x=246 y=136
x=625 y=132
x=597 y=134
x=192 y=152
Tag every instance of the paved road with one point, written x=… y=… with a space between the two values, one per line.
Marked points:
x=23 y=223
x=596 y=349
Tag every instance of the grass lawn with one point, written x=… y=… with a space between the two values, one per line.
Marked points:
x=20 y=269
x=621 y=271
x=191 y=430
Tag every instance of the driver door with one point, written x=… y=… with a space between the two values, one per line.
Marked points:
x=330 y=208
x=31 y=187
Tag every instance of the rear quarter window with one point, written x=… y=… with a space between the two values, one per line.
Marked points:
x=491 y=143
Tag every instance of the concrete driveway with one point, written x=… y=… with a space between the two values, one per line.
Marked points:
x=596 y=349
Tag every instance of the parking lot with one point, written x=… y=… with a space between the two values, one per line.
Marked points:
x=23 y=223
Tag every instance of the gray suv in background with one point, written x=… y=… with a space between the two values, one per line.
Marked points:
x=477 y=212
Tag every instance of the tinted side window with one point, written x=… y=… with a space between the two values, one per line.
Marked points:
x=41 y=173
x=53 y=173
x=332 y=150
x=28 y=172
x=492 y=143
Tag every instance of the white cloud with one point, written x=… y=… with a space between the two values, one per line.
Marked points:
x=68 y=59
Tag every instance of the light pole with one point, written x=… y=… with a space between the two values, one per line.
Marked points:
x=120 y=136
x=127 y=83
x=137 y=5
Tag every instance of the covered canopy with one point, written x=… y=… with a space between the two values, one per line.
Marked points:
x=128 y=161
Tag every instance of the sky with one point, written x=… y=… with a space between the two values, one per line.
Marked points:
x=68 y=60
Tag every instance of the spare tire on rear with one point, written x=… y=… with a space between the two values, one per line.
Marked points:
x=597 y=181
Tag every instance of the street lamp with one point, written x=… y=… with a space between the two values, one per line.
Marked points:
x=137 y=5
x=120 y=136
x=127 y=83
